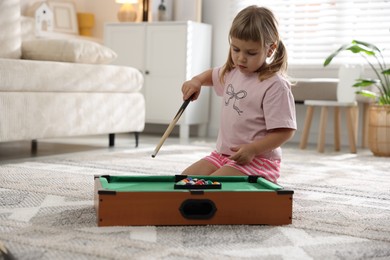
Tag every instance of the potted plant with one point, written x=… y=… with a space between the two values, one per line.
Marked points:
x=379 y=110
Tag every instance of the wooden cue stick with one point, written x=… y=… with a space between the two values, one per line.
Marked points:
x=171 y=126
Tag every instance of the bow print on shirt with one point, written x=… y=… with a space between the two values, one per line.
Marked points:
x=239 y=95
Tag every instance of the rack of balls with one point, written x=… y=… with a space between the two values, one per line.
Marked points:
x=195 y=183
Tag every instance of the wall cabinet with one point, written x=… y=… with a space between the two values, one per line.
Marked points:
x=167 y=53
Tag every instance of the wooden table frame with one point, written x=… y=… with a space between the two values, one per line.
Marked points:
x=169 y=207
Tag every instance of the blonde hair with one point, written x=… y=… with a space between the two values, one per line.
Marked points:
x=258 y=24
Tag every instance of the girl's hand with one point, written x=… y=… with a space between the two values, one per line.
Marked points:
x=274 y=139
x=244 y=154
x=191 y=87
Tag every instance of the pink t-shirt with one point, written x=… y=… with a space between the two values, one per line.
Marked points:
x=250 y=107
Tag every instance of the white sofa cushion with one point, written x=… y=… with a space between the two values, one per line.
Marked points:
x=10 y=36
x=49 y=76
x=26 y=115
x=67 y=50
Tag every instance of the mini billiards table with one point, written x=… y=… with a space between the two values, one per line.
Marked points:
x=154 y=200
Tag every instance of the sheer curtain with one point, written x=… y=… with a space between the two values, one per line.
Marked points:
x=313 y=29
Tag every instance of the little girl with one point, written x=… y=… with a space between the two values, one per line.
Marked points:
x=258 y=111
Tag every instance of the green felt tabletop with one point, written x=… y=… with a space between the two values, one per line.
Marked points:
x=166 y=183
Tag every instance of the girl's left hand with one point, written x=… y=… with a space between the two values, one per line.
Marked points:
x=244 y=154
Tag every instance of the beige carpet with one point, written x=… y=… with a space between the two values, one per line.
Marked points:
x=341 y=210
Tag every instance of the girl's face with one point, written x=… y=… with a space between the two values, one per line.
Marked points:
x=247 y=56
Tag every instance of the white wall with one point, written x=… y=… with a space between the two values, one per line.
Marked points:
x=216 y=13
x=106 y=11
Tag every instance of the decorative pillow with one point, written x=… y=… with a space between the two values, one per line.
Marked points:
x=67 y=50
x=10 y=38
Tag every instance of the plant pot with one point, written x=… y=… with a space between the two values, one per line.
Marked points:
x=379 y=130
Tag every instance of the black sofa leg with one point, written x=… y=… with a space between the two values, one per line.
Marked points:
x=136 y=134
x=34 y=146
x=111 y=140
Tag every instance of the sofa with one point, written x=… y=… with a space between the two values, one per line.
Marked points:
x=53 y=87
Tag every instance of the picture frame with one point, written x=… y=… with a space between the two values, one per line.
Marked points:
x=65 y=17
x=188 y=10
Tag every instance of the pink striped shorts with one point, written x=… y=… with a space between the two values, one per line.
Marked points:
x=258 y=166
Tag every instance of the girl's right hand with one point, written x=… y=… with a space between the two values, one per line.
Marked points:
x=191 y=89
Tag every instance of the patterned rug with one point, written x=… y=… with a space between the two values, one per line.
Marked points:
x=341 y=209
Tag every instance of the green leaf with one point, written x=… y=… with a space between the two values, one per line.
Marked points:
x=366 y=93
x=361 y=84
x=384 y=100
x=358 y=49
x=334 y=54
x=365 y=82
x=386 y=72
x=366 y=44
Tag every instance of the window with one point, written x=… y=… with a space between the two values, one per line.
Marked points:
x=312 y=30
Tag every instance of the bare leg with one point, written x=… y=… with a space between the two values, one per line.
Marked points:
x=228 y=171
x=204 y=167
x=201 y=167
